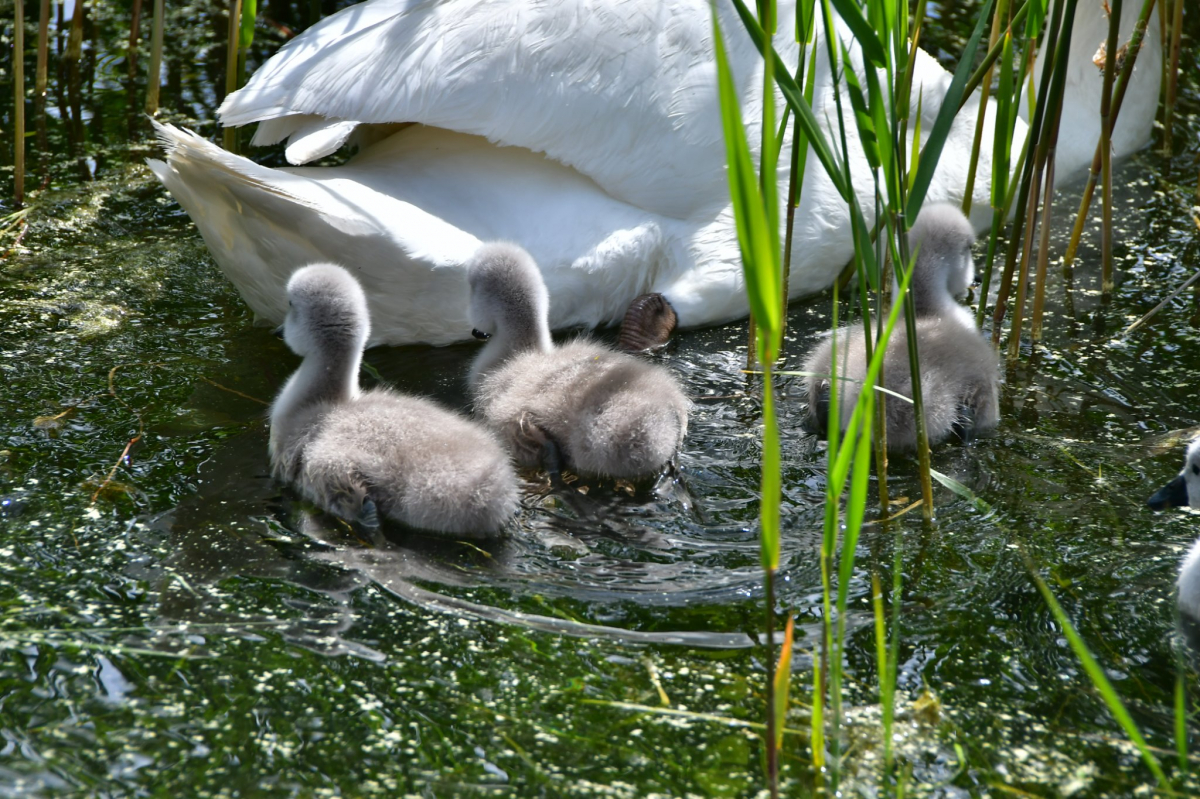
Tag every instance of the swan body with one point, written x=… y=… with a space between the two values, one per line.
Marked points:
x=358 y=454
x=601 y=412
x=1184 y=491
x=586 y=130
x=959 y=371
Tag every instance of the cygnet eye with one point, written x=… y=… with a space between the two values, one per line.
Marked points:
x=479 y=334
x=1196 y=468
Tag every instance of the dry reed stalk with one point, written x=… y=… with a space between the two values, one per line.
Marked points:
x=1039 y=294
x=231 y=67
x=1085 y=203
x=135 y=35
x=154 y=76
x=1106 y=125
x=1172 y=77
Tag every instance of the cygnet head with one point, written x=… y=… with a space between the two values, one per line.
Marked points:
x=942 y=238
x=327 y=312
x=1184 y=490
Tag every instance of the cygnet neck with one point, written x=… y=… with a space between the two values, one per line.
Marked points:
x=329 y=374
x=521 y=329
x=930 y=289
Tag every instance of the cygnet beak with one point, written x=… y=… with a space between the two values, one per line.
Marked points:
x=278 y=331
x=479 y=334
x=1172 y=495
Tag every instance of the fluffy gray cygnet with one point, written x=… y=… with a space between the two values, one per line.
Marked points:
x=596 y=411
x=363 y=454
x=960 y=378
x=1184 y=491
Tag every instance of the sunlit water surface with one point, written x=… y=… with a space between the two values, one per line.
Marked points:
x=174 y=622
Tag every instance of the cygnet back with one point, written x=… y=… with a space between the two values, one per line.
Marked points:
x=359 y=455
x=959 y=370
x=602 y=412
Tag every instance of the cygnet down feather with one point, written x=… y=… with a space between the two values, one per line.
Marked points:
x=598 y=411
x=960 y=378
x=364 y=454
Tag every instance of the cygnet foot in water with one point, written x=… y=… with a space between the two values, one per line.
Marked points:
x=361 y=455
x=960 y=378
x=595 y=411
x=1184 y=491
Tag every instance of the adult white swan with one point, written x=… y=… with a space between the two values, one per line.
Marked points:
x=587 y=131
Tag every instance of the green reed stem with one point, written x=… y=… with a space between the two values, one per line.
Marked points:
x=1043 y=256
x=75 y=38
x=1181 y=736
x=1047 y=141
x=18 y=62
x=992 y=54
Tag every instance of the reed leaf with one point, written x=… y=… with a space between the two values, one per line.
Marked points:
x=864 y=33
x=1181 y=737
x=863 y=117
x=246 y=26
x=783 y=681
x=1099 y=679
x=1035 y=20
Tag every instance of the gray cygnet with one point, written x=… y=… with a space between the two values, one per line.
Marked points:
x=359 y=454
x=579 y=405
x=960 y=376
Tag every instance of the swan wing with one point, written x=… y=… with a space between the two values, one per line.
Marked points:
x=623 y=91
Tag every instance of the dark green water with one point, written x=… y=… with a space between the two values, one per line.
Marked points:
x=186 y=628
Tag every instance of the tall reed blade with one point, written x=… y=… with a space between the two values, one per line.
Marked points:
x=1099 y=679
x=756 y=213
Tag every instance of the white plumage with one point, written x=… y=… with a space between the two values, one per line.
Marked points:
x=586 y=130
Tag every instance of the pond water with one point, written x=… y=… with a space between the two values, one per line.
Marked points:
x=173 y=622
